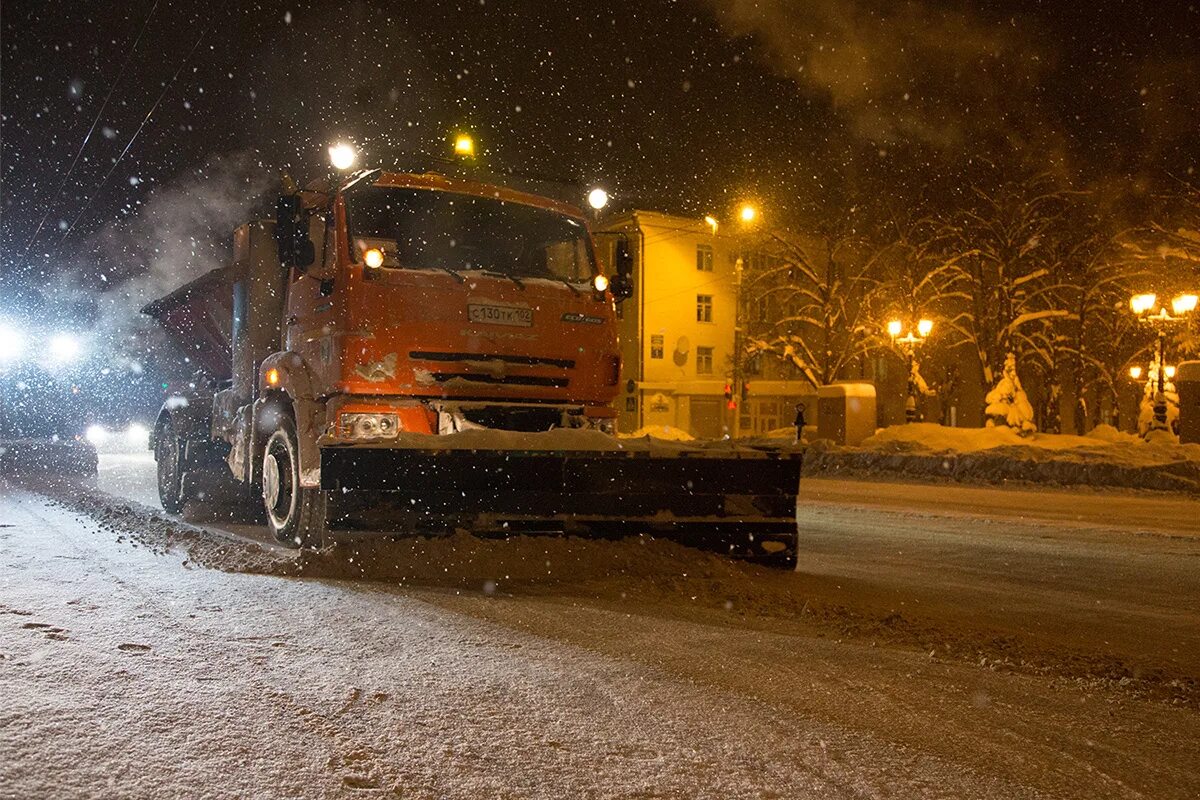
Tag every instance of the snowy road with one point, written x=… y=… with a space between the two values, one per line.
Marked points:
x=935 y=642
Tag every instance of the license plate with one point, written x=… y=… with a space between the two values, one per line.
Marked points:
x=500 y=315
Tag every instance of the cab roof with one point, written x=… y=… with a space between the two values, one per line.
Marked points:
x=437 y=182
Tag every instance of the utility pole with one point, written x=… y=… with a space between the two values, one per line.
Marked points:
x=738 y=321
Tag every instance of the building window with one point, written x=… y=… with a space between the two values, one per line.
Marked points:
x=704 y=358
x=704 y=308
x=656 y=345
x=704 y=258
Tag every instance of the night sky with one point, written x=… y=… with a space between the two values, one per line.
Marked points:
x=688 y=106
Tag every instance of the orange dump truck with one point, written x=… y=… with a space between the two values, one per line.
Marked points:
x=416 y=352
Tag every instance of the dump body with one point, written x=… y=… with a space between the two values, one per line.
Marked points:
x=198 y=319
x=435 y=320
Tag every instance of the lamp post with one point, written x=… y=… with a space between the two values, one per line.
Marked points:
x=1150 y=312
x=908 y=344
x=747 y=215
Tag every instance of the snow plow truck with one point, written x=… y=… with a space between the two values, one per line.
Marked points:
x=421 y=351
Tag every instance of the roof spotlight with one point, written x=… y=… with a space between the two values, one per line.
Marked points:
x=342 y=156
x=597 y=198
x=464 y=146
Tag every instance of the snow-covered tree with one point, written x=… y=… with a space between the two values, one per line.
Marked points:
x=918 y=387
x=1149 y=426
x=1001 y=254
x=1007 y=404
x=1176 y=236
x=1091 y=279
x=808 y=301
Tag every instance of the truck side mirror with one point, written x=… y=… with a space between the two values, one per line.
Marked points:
x=621 y=284
x=295 y=246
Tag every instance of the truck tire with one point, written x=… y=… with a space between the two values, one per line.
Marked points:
x=168 y=457
x=295 y=514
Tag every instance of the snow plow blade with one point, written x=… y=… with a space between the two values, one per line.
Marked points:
x=741 y=503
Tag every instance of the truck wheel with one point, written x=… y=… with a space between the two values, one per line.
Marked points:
x=168 y=452
x=295 y=515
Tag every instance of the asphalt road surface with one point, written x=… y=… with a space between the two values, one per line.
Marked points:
x=934 y=642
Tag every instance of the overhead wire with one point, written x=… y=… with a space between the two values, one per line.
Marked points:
x=88 y=136
x=132 y=139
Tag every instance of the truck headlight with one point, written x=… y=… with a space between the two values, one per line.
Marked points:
x=368 y=426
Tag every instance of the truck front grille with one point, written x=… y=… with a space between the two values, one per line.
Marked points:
x=527 y=361
x=511 y=380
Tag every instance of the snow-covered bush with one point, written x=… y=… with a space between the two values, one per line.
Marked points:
x=1150 y=428
x=1007 y=404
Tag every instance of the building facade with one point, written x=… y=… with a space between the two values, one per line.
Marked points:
x=677 y=334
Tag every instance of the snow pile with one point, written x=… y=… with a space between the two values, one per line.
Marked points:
x=1007 y=404
x=656 y=440
x=1107 y=433
x=931 y=437
x=455 y=559
x=664 y=432
x=1106 y=457
x=577 y=439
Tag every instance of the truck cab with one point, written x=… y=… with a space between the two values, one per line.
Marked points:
x=446 y=302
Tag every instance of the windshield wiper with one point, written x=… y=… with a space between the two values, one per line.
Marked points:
x=569 y=285
x=458 y=276
x=496 y=274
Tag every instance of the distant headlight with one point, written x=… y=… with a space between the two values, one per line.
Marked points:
x=369 y=426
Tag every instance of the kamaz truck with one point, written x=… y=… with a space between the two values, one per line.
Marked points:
x=419 y=351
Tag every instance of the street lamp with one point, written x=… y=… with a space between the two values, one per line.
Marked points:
x=597 y=198
x=1143 y=306
x=464 y=146
x=342 y=156
x=747 y=214
x=908 y=344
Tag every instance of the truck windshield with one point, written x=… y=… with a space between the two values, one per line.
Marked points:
x=427 y=229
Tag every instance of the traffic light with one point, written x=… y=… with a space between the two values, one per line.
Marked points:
x=729 y=401
x=745 y=391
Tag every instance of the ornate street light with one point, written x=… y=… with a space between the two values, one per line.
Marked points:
x=908 y=344
x=1144 y=306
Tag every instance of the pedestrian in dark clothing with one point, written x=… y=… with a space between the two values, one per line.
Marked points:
x=799 y=421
